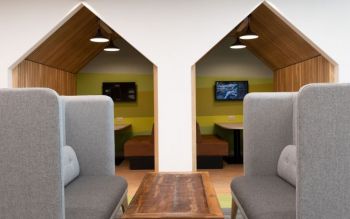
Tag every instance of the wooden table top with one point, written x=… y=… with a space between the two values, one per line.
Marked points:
x=231 y=126
x=120 y=127
x=175 y=195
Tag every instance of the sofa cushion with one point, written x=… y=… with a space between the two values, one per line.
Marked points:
x=287 y=164
x=70 y=162
x=210 y=145
x=139 y=146
x=265 y=197
x=93 y=196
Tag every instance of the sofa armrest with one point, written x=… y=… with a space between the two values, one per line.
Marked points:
x=268 y=128
x=323 y=182
x=89 y=129
x=30 y=154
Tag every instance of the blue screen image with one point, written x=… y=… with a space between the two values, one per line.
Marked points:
x=231 y=90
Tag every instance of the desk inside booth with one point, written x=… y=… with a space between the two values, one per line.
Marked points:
x=233 y=133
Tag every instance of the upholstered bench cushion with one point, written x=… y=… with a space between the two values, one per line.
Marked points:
x=139 y=146
x=210 y=145
x=93 y=197
x=265 y=197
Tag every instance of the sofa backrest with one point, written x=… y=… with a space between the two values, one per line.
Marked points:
x=89 y=129
x=30 y=154
x=323 y=182
x=268 y=128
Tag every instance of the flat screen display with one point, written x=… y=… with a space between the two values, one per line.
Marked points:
x=120 y=91
x=230 y=90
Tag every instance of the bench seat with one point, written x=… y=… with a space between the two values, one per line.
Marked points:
x=102 y=198
x=265 y=197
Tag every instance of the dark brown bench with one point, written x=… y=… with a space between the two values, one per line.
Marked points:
x=210 y=151
x=139 y=150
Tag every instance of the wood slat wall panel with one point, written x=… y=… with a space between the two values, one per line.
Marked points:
x=31 y=74
x=69 y=48
x=278 y=44
x=315 y=70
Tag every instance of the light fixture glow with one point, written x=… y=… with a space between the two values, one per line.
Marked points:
x=238 y=45
x=99 y=38
x=111 y=47
x=249 y=35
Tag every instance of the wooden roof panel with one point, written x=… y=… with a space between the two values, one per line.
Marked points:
x=69 y=48
x=278 y=44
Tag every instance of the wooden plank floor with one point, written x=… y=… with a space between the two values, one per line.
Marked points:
x=221 y=178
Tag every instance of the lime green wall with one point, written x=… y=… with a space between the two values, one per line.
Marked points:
x=210 y=111
x=140 y=113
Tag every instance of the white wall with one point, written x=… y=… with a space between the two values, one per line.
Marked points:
x=173 y=35
x=223 y=61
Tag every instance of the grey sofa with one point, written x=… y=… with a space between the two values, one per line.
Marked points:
x=317 y=120
x=34 y=124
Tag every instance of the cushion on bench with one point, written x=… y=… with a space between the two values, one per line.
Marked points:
x=287 y=164
x=139 y=146
x=93 y=196
x=265 y=197
x=70 y=164
x=210 y=145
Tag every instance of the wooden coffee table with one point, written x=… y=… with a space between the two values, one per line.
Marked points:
x=174 y=195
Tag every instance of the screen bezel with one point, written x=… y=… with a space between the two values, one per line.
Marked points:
x=222 y=100
x=121 y=83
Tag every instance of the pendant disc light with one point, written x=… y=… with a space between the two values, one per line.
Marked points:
x=238 y=45
x=249 y=34
x=99 y=38
x=111 y=47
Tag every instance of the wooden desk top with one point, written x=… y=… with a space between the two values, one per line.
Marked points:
x=230 y=126
x=175 y=195
x=121 y=127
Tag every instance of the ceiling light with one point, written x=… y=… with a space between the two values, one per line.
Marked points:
x=111 y=47
x=249 y=35
x=238 y=45
x=99 y=38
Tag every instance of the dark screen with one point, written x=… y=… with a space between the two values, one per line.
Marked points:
x=120 y=91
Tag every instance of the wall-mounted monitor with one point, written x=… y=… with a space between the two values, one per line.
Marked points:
x=120 y=91
x=230 y=90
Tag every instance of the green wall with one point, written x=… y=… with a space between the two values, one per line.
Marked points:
x=210 y=111
x=140 y=113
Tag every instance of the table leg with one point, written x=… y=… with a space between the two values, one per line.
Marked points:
x=237 y=158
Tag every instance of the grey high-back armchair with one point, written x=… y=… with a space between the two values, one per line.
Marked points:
x=88 y=124
x=317 y=120
x=34 y=125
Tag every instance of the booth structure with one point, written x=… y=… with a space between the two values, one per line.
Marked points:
x=293 y=59
x=287 y=61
